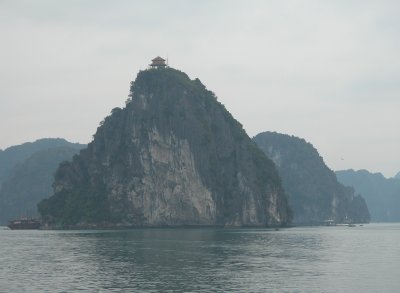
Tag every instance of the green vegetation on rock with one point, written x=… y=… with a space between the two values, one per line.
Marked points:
x=173 y=156
x=313 y=190
x=381 y=194
x=28 y=175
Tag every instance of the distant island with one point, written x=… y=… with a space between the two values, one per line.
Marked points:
x=315 y=195
x=26 y=175
x=381 y=194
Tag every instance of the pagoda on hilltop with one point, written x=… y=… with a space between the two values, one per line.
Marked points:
x=158 y=62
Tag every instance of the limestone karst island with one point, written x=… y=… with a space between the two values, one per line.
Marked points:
x=174 y=156
x=199 y=146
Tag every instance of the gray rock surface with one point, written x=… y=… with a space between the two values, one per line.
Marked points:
x=173 y=156
x=381 y=194
x=314 y=193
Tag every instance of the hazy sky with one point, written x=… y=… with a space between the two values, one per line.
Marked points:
x=326 y=71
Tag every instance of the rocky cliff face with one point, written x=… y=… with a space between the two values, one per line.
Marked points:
x=313 y=190
x=381 y=194
x=173 y=156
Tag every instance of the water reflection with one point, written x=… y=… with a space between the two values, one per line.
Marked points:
x=334 y=259
x=193 y=260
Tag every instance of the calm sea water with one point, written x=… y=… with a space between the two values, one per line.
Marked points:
x=315 y=259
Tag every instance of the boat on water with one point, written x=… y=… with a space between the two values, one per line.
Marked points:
x=329 y=222
x=24 y=224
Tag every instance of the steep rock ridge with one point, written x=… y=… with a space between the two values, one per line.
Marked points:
x=381 y=194
x=313 y=190
x=173 y=156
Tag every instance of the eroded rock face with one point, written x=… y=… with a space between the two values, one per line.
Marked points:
x=173 y=156
x=171 y=190
x=314 y=193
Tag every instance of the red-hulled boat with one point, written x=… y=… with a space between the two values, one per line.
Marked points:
x=24 y=224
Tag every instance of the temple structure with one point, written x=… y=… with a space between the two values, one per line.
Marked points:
x=158 y=62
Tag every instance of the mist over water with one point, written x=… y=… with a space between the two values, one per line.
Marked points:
x=314 y=259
